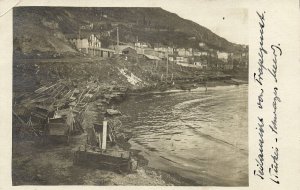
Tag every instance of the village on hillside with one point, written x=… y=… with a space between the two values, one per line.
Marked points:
x=202 y=58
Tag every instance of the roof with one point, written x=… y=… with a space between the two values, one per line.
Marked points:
x=105 y=49
x=121 y=47
x=71 y=36
x=152 y=57
x=128 y=48
x=83 y=35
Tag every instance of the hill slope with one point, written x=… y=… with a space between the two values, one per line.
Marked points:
x=46 y=29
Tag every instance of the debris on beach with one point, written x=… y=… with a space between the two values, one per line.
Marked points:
x=113 y=112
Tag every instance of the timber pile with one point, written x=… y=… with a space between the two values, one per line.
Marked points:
x=62 y=108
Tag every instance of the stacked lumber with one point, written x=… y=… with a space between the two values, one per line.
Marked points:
x=62 y=107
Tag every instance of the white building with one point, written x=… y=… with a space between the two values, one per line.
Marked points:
x=201 y=44
x=222 y=55
x=201 y=64
x=81 y=44
x=94 y=41
x=141 y=45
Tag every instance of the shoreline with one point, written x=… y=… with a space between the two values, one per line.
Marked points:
x=61 y=156
x=32 y=160
x=195 y=89
x=164 y=177
x=174 y=176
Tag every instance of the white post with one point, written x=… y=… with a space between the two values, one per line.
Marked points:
x=99 y=139
x=104 y=135
x=118 y=36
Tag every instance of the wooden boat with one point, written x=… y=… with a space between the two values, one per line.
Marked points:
x=95 y=153
x=110 y=159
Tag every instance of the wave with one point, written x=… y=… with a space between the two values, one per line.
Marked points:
x=187 y=103
x=214 y=139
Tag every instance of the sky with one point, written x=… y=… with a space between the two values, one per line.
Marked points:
x=228 y=22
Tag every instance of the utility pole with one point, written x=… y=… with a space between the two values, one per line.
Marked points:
x=167 y=66
x=94 y=45
x=79 y=33
x=79 y=37
x=118 y=36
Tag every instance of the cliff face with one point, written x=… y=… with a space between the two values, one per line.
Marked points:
x=47 y=29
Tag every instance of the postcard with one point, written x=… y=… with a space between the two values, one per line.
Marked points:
x=150 y=94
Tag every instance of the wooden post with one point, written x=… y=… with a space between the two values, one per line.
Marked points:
x=99 y=139
x=104 y=135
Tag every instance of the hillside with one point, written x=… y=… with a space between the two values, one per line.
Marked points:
x=47 y=29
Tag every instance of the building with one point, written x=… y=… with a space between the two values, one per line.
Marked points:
x=184 y=52
x=212 y=53
x=171 y=58
x=201 y=64
x=139 y=50
x=203 y=53
x=89 y=26
x=130 y=54
x=151 y=57
x=83 y=42
x=141 y=45
x=180 y=52
x=201 y=44
x=129 y=51
x=91 y=45
x=94 y=41
x=119 y=48
x=200 y=53
x=104 y=52
x=150 y=51
x=81 y=45
x=180 y=59
x=222 y=56
x=240 y=60
x=228 y=65
x=165 y=49
x=170 y=50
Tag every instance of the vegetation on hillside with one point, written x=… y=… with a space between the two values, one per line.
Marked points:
x=47 y=29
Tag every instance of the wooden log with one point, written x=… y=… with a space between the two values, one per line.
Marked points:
x=21 y=120
x=44 y=88
x=58 y=86
x=80 y=96
x=59 y=91
x=110 y=138
x=79 y=101
x=66 y=94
